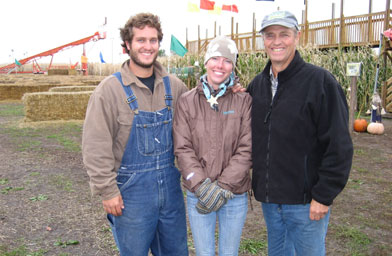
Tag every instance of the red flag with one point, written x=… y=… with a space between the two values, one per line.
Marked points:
x=207 y=5
x=231 y=8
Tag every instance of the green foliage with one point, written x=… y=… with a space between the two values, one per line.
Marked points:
x=161 y=53
x=334 y=60
x=20 y=251
x=62 y=182
x=64 y=244
x=6 y=190
x=40 y=197
x=12 y=110
x=354 y=238
x=253 y=246
x=67 y=143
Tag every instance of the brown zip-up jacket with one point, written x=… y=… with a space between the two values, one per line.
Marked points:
x=108 y=124
x=215 y=145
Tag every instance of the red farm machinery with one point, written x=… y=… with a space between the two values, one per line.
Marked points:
x=12 y=68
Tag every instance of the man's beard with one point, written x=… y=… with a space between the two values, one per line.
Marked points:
x=136 y=60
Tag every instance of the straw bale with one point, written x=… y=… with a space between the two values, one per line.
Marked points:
x=16 y=91
x=63 y=72
x=47 y=106
x=72 y=88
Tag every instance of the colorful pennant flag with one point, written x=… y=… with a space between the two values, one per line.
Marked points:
x=217 y=10
x=231 y=8
x=101 y=57
x=177 y=47
x=192 y=7
x=17 y=63
x=207 y=5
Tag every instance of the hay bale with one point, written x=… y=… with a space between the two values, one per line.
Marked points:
x=73 y=88
x=47 y=106
x=63 y=72
x=16 y=91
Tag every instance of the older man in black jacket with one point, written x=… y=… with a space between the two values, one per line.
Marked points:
x=302 y=149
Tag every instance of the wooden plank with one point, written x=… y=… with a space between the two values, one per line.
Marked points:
x=389 y=90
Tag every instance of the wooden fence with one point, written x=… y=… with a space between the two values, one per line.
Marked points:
x=339 y=32
x=361 y=30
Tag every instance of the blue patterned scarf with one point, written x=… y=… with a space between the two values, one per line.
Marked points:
x=213 y=100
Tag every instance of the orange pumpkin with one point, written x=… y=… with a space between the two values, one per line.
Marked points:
x=375 y=128
x=360 y=125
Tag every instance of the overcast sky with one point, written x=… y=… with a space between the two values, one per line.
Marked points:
x=31 y=27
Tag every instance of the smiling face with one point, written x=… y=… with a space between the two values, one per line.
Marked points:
x=280 y=44
x=218 y=70
x=144 y=47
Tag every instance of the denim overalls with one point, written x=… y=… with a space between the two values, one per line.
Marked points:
x=149 y=182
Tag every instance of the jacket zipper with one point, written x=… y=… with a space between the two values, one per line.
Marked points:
x=306 y=179
x=266 y=119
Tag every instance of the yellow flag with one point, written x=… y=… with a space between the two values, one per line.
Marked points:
x=217 y=10
x=192 y=7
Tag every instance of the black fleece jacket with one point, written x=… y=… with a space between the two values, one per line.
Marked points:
x=302 y=149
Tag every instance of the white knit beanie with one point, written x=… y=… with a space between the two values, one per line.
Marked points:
x=221 y=46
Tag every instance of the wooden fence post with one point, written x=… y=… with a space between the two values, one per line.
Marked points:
x=198 y=39
x=341 y=25
x=232 y=28
x=353 y=70
x=353 y=102
x=386 y=26
x=254 y=33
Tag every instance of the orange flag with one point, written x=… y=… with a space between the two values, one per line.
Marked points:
x=207 y=5
x=231 y=8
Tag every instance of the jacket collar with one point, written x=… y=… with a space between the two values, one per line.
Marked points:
x=293 y=68
x=129 y=77
x=199 y=89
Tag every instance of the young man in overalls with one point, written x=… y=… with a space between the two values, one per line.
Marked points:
x=128 y=148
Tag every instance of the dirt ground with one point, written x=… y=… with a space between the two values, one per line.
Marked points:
x=47 y=209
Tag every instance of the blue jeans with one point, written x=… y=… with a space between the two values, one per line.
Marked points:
x=231 y=218
x=154 y=214
x=292 y=232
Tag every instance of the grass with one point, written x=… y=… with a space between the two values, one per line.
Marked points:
x=64 y=244
x=356 y=240
x=6 y=190
x=355 y=183
x=31 y=139
x=12 y=110
x=61 y=182
x=40 y=197
x=20 y=251
x=67 y=143
x=253 y=246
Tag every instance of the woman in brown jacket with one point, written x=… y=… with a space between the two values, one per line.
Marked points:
x=212 y=142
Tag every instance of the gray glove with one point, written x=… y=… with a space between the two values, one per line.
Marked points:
x=211 y=197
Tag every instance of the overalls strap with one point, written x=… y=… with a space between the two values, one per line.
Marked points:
x=131 y=98
x=168 y=95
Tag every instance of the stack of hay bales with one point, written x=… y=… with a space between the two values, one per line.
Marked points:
x=49 y=106
x=73 y=88
x=16 y=91
x=63 y=72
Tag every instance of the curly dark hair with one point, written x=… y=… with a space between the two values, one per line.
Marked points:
x=139 y=21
